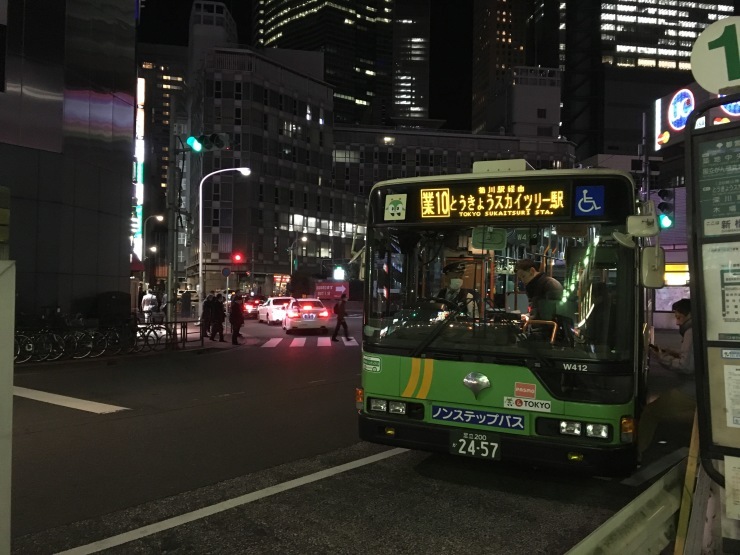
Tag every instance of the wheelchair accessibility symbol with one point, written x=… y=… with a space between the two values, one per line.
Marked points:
x=590 y=200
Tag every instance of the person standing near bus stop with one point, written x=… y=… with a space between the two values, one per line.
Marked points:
x=340 y=309
x=218 y=316
x=236 y=317
x=678 y=403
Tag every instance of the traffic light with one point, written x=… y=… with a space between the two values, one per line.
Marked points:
x=666 y=217
x=237 y=258
x=214 y=141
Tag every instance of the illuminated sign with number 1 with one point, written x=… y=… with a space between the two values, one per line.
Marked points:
x=715 y=56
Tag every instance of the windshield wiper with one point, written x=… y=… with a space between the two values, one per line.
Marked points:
x=434 y=334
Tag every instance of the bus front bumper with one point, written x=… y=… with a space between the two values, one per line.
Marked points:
x=536 y=451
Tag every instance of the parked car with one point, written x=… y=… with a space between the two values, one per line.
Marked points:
x=306 y=314
x=252 y=304
x=272 y=311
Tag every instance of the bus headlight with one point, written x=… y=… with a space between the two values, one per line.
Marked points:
x=397 y=407
x=379 y=405
x=600 y=431
x=570 y=428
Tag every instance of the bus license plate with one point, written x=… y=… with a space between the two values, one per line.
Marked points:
x=481 y=445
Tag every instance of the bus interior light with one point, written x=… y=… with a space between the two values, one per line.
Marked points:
x=599 y=431
x=397 y=407
x=379 y=405
x=570 y=428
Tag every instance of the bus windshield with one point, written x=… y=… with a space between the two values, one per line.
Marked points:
x=457 y=291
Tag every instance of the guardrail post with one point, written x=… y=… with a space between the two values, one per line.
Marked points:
x=646 y=525
x=7 y=314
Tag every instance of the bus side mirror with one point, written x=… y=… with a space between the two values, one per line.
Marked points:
x=652 y=267
x=646 y=223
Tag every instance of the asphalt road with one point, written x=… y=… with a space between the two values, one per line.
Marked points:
x=262 y=441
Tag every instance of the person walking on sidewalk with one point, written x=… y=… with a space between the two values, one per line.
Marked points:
x=149 y=304
x=340 y=309
x=236 y=318
x=218 y=316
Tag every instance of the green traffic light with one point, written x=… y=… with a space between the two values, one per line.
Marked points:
x=194 y=144
x=665 y=221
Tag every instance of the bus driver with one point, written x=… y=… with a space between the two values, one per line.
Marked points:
x=454 y=294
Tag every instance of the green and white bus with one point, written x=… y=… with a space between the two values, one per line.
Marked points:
x=480 y=378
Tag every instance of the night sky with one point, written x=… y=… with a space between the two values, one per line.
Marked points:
x=166 y=22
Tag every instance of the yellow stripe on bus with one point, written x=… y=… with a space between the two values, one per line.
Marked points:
x=426 y=381
x=413 y=378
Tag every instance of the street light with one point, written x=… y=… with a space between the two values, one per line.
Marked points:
x=292 y=249
x=157 y=217
x=145 y=248
x=245 y=172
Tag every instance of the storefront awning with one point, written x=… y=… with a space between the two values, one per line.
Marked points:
x=136 y=264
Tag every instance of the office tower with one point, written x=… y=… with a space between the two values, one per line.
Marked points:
x=411 y=49
x=618 y=58
x=66 y=143
x=356 y=40
x=162 y=71
x=499 y=37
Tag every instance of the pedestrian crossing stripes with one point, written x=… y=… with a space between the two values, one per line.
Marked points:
x=299 y=342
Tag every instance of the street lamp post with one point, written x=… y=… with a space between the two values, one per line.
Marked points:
x=145 y=246
x=245 y=172
x=303 y=239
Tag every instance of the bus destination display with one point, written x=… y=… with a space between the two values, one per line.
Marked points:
x=495 y=200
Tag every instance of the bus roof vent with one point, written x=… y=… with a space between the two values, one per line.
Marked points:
x=493 y=166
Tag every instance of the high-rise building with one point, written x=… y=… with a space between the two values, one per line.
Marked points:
x=162 y=70
x=616 y=58
x=499 y=31
x=309 y=177
x=620 y=56
x=356 y=39
x=411 y=48
x=66 y=138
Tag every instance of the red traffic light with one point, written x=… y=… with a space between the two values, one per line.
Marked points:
x=237 y=257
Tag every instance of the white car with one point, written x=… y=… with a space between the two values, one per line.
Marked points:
x=306 y=314
x=272 y=311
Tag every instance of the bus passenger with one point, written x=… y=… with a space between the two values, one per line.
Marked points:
x=543 y=291
x=679 y=403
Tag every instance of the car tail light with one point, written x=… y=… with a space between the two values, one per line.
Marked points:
x=324 y=314
x=292 y=313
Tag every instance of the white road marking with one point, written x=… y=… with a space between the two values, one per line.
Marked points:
x=173 y=522
x=69 y=402
x=301 y=342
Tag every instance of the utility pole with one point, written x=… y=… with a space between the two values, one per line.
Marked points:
x=172 y=185
x=251 y=275
x=645 y=188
